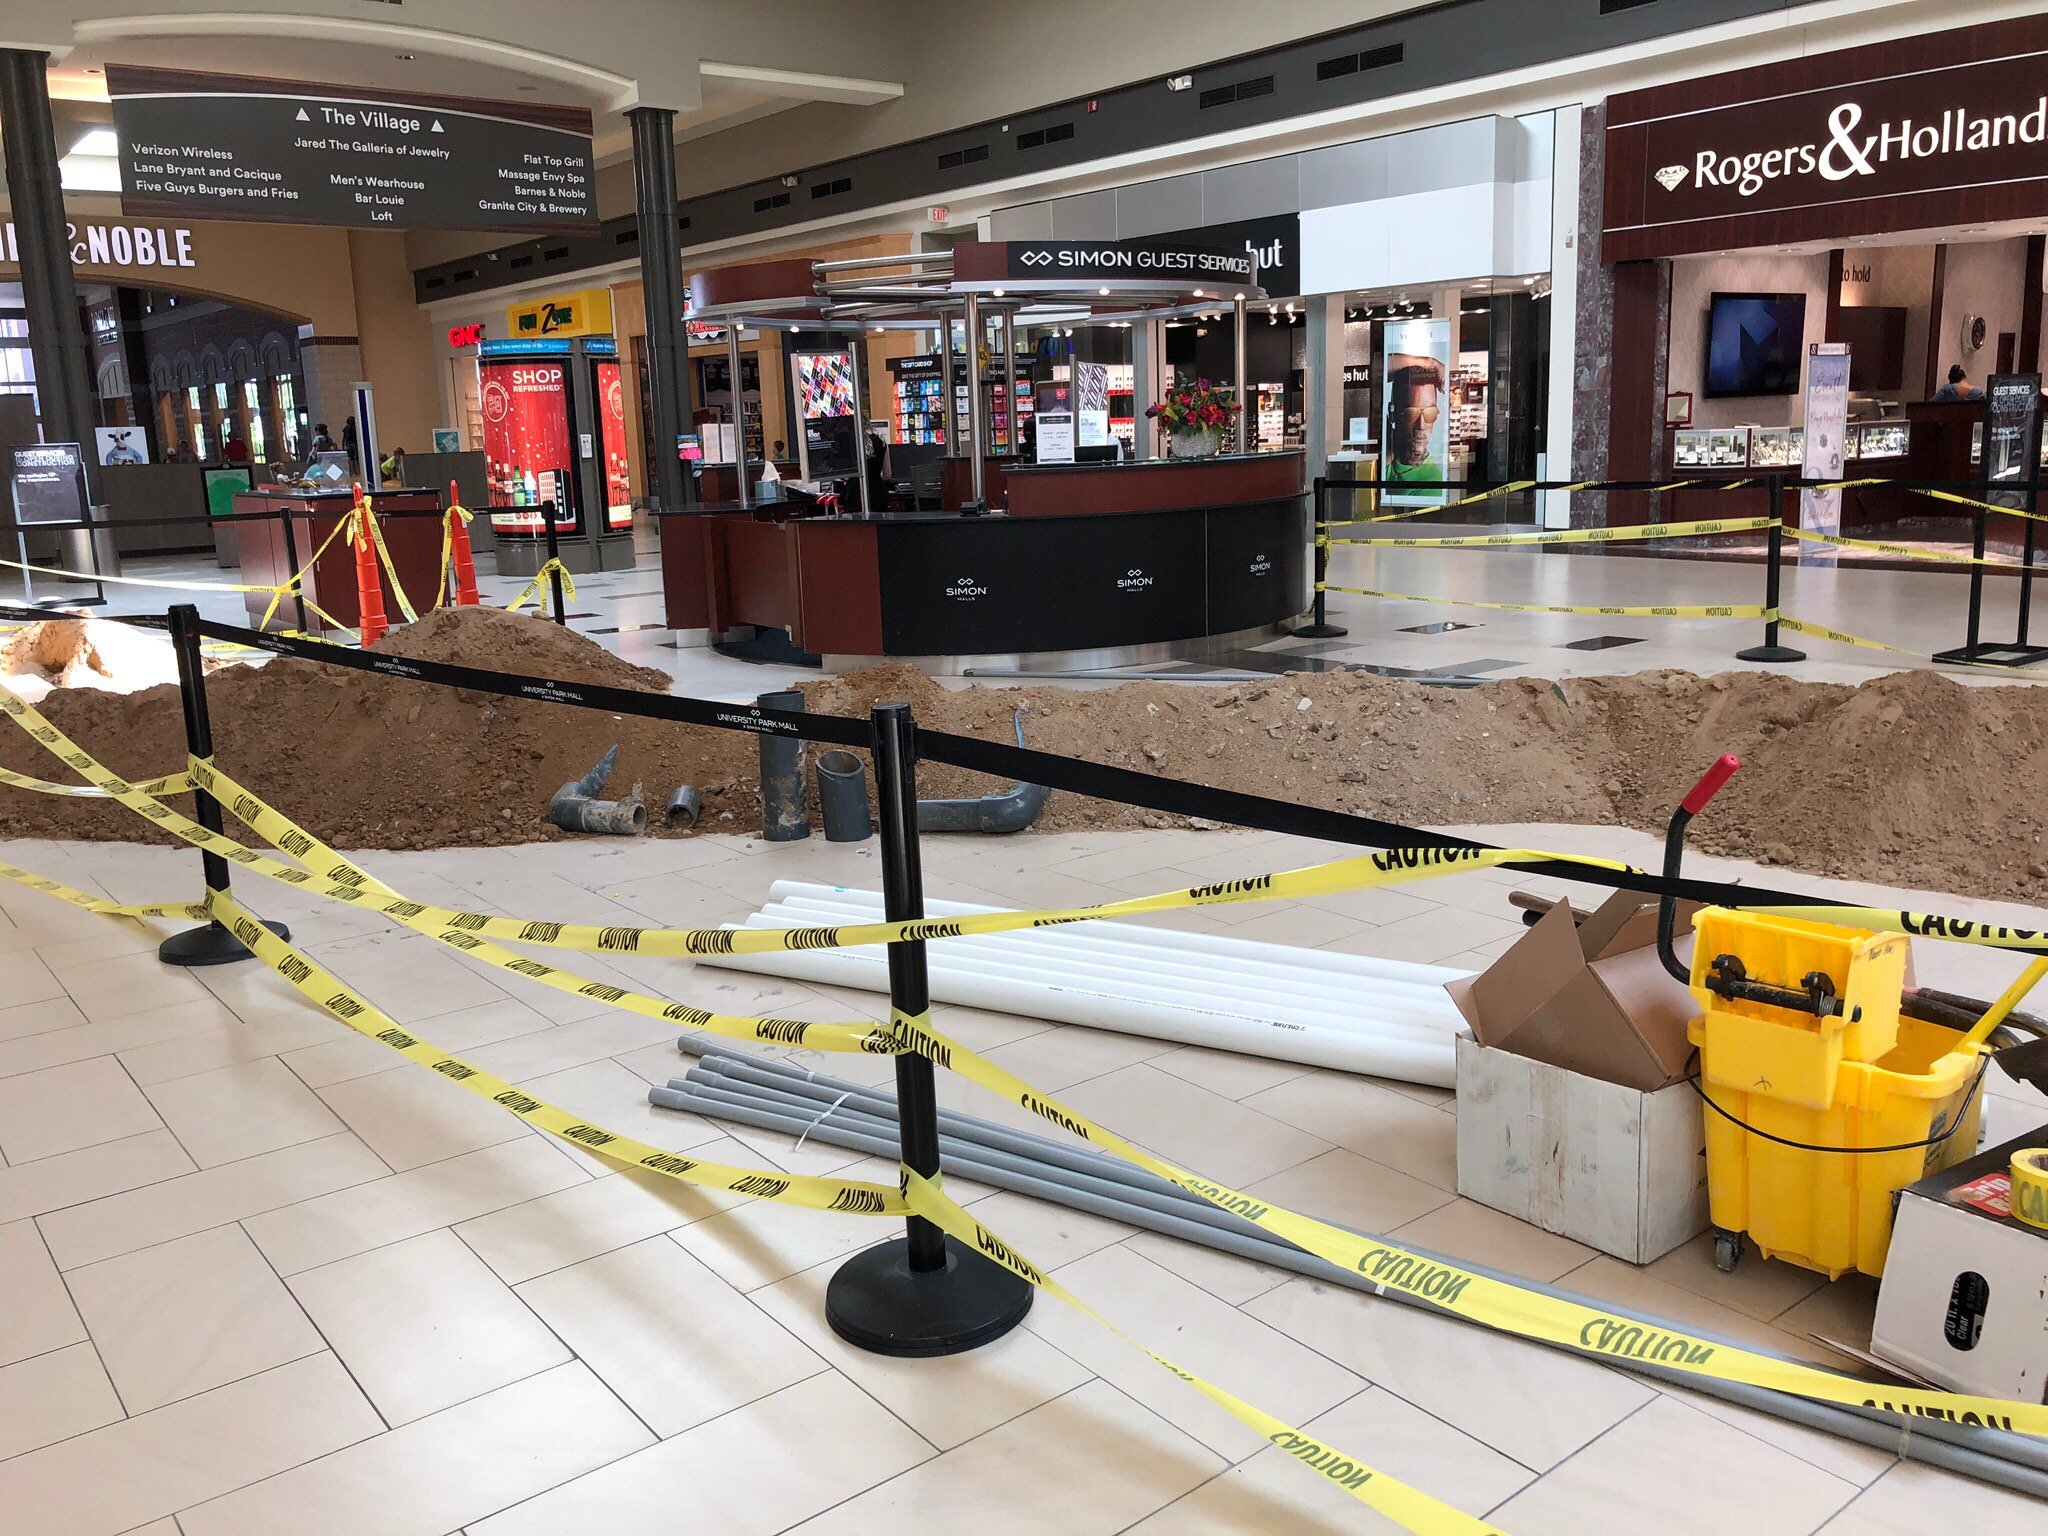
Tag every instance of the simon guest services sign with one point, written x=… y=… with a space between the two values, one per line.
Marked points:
x=1923 y=133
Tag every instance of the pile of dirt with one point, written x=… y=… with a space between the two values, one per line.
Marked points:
x=1911 y=780
x=84 y=653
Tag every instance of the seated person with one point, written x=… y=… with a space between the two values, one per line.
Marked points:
x=1958 y=386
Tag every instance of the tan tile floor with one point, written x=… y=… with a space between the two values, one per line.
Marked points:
x=257 y=1276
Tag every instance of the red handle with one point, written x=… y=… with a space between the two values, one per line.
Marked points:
x=1710 y=783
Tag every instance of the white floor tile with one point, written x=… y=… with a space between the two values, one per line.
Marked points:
x=186 y=1316
x=61 y=1109
x=422 y=1325
x=53 y=1397
x=241 y=1111
x=677 y=1343
x=38 y=1316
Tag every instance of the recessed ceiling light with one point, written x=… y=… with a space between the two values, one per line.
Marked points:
x=92 y=69
x=97 y=141
x=1103 y=291
x=407 y=57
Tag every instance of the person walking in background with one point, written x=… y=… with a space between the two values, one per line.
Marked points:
x=234 y=448
x=1958 y=386
x=323 y=441
x=348 y=441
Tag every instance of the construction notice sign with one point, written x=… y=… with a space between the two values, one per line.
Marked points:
x=291 y=152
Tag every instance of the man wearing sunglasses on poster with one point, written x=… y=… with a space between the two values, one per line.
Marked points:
x=1415 y=394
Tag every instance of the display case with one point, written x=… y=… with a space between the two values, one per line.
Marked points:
x=1880 y=440
x=1710 y=448
x=1777 y=447
x=919 y=415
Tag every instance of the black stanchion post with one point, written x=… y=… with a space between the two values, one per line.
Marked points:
x=1774 y=564
x=923 y=1293
x=291 y=560
x=213 y=944
x=548 y=516
x=1321 y=628
x=2026 y=572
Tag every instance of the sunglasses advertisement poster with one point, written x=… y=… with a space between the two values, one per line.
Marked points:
x=525 y=406
x=611 y=420
x=1415 y=361
x=828 y=437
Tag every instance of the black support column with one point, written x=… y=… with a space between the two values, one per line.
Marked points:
x=661 y=283
x=56 y=332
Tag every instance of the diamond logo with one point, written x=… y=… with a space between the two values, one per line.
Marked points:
x=1036 y=258
x=1670 y=177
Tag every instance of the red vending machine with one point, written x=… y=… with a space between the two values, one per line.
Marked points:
x=555 y=447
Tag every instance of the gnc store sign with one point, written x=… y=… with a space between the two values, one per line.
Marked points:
x=1923 y=133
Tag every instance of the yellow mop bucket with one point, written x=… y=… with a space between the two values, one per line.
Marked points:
x=1822 y=1101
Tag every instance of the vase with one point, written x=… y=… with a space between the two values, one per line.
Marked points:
x=1192 y=445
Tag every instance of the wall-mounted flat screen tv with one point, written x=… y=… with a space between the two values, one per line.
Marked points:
x=1755 y=343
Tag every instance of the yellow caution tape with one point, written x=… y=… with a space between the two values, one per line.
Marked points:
x=455 y=510
x=1441 y=506
x=1863 y=642
x=168 y=784
x=1703 y=529
x=1949 y=496
x=2029 y=1187
x=100 y=904
x=338 y=1001
x=1906 y=551
x=1711 y=611
x=1410 y=1507
x=364 y=519
x=294 y=586
x=1498 y=1304
x=532 y=588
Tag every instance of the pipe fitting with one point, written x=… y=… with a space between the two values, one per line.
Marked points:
x=843 y=797
x=1010 y=810
x=575 y=806
x=684 y=807
x=782 y=776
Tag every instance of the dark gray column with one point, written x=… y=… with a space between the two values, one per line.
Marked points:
x=56 y=332
x=661 y=284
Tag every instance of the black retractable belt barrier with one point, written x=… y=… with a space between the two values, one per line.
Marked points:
x=212 y=944
x=547 y=521
x=924 y=1293
x=2019 y=651
x=1774 y=556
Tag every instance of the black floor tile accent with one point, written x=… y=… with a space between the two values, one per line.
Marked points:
x=1601 y=642
x=1443 y=628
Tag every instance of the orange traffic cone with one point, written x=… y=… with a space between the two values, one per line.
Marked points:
x=369 y=589
x=464 y=561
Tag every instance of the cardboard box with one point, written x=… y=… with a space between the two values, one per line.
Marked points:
x=1964 y=1302
x=1613 y=1167
x=1591 y=998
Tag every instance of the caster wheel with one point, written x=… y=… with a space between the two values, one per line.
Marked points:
x=1727 y=1251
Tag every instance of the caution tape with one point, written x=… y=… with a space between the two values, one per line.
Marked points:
x=1661 y=611
x=100 y=904
x=1441 y=506
x=362 y=1016
x=2029 y=1187
x=1864 y=642
x=294 y=586
x=455 y=510
x=367 y=514
x=1906 y=551
x=1704 y=529
x=1410 y=1507
x=1954 y=497
x=168 y=784
x=532 y=588
x=1497 y=1304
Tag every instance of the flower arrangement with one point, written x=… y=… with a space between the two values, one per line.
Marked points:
x=1197 y=408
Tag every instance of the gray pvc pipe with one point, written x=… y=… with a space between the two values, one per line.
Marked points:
x=1882 y=1432
x=1009 y=810
x=782 y=776
x=843 y=797
x=575 y=806
x=2000 y=1445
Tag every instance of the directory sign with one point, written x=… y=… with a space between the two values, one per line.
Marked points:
x=294 y=152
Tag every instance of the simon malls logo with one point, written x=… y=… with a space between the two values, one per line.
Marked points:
x=1850 y=152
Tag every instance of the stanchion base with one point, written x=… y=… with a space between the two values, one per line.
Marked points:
x=1996 y=653
x=1320 y=632
x=1770 y=653
x=210 y=945
x=876 y=1302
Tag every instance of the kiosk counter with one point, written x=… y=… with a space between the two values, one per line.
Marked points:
x=414 y=542
x=1105 y=558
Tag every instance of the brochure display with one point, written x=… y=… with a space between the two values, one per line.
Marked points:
x=1827 y=428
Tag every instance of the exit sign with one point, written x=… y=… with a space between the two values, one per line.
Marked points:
x=465 y=335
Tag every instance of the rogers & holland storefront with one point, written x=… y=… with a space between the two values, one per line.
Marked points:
x=1885 y=203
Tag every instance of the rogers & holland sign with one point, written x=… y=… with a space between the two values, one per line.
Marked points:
x=1914 y=138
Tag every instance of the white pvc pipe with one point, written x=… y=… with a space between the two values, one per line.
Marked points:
x=1255 y=990
x=1159 y=938
x=1382 y=1053
x=1277 y=964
